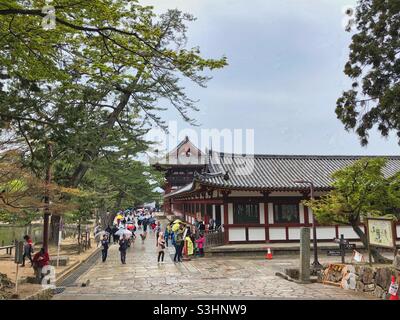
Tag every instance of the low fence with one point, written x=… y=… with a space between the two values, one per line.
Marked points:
x=214 y=239
x=10 y=233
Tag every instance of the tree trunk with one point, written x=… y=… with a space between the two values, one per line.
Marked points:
x=91 y=154
x=378 y=258
x=102 y=212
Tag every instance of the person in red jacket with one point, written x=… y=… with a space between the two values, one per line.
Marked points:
x=40 y=260
x=200 y=244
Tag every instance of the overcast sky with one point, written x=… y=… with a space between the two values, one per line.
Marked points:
x=285 y=73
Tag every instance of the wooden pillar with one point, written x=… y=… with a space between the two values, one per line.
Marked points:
x=266 y=216
x=226 y=220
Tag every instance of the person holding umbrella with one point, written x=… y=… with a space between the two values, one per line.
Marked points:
x=105 y=245
x=123 y=246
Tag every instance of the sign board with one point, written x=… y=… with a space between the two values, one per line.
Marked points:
x=334 y=253
x=381 y=232
x=350 y=246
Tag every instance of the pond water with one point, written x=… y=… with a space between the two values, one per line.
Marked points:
x=9 y=233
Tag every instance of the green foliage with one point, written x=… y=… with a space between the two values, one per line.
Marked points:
x=92 y=88
x=359 y=190
x=374 y=67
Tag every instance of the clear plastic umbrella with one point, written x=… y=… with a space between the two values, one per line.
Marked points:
x=125 y=232
x=99 y=235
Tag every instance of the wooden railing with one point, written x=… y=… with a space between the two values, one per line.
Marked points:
x=214 y=239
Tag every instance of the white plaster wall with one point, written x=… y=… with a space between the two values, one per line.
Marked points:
x=285 y=194
x=326 y=233
x=262 y=217
x=270 y=213
x=256 y=234
x=310 y=215
x=347 y=232
x=294 y=233
x=301 y=212
x=230 y=213
x=398 y=231
x=245 y=194
x=213 y=212
x=277 y=233
x=237 y=234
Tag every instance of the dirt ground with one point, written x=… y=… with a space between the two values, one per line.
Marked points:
x=69 y=247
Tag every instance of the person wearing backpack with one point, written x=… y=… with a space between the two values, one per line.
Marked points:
x=28 y=250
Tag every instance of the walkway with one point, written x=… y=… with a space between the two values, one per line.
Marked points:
x=200 y=278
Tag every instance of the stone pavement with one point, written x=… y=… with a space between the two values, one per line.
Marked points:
x=201 y=278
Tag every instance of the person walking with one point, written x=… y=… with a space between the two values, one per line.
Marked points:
x=105 y=245
x=28 y=250
x=144 y=233
x=115 y=236
x=123 y=246
x=109 y=231
x=161 y=247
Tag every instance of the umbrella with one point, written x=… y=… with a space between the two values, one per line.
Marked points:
x=119 y=217
x=99 y=235
x=130 y=226
x=122 y=232
x=177 y=221
x=141 y=218
x=175 y=227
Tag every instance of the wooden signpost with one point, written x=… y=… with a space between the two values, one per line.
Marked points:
x=381 y=232
x=19 y=251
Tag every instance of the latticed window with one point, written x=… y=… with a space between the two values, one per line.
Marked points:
x=286 y=213
x=246 y=213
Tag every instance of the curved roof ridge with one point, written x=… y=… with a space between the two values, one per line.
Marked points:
x=306 y=156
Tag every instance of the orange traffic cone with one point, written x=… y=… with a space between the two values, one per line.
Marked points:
x=268 y=255
x=393 y=290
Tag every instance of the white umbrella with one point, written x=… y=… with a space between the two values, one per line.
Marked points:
x=99 y=235
x=122 y=232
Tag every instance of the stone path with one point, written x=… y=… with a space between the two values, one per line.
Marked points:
x=201 y=278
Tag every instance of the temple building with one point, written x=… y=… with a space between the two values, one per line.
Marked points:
x=255 y=198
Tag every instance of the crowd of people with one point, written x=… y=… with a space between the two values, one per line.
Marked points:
x=185 y=238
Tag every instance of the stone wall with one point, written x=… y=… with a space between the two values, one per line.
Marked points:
x=375 y=280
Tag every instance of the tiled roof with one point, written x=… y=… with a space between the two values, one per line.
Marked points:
x=276 y=172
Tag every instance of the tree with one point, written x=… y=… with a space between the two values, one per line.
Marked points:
x=374 y=67
x=359 y=190
x=102 y=75
x=21 y=192
x=112 y=59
